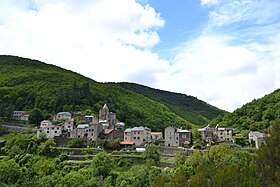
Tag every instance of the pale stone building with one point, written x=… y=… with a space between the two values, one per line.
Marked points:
x=215 y=135
x=207 y=135
x=107 y=117
x=156 y=136
x=20 y=115
x=88 y=131
x=177 y=137
x=68 y=125
x=257 y=137
x=138 y=135
x=103 y=112
x=224 y=134
x=51 y=130
x=62 y=115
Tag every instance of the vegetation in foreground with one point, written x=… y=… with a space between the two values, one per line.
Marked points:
x=37 y=162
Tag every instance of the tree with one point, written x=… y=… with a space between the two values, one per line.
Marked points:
x=197 y=138
x=76 y=142
x=102 y=163
x=10 y=172
x=268 y=157
x=36 y=116
x=152 y=152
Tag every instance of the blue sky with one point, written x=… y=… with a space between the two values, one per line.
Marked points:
x=225 y=52
x=184 y=20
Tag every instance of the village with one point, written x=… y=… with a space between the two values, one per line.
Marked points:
x=107 y=127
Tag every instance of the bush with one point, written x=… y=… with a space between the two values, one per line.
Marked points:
x=77 y=142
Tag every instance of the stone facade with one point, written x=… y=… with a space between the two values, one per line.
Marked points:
x=103 y=113
x=215 y=135
x=20 y=115
x=177 y=137
x=138 y=135
x=62 y=115
x=51 y=130
x=88 y=131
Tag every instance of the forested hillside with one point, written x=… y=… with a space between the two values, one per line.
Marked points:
x=26 y=84
x=256 y=115
x=188 y=107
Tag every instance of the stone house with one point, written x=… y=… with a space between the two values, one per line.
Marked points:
x=215 y=135
x=155 y=136
x=177 y=137
x=138 y=135
x=257 y=137
x=89 y=118
x=89 y=131
x=50 y=129
x=20 y=115
x=62 y=115
x=224 y=134
x=68 y=125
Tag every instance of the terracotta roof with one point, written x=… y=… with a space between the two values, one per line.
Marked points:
x=108 y=131
x=156 y=133
x=127 y=143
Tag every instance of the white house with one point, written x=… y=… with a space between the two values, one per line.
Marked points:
x=20 y=115
x=50 y=129
x=257 y=137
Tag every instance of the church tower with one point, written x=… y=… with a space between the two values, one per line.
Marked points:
x=103 y=113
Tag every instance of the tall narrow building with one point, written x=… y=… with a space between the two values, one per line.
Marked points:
x=103 y=113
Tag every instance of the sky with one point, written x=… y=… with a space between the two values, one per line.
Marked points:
x=224 y=52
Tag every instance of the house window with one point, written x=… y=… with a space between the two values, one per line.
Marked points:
x=134 y=138
x=57 y=128
x=134 y=132
x=48 y=131
x=53 y=128
x=138 y=132
x=177 y=138
x=144 y=140
x=125 y=138
x=138 y=138
x=170 y=137
x=55 y=131
x=69 y=126
x=125 y=133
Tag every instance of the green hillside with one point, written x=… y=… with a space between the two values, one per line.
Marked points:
x=188 y=107
x=26 y=84
x=256 y=115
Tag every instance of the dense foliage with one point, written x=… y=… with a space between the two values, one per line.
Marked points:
x=33 y=162
x=256 y=115
x=27 y=84
x=187 y=107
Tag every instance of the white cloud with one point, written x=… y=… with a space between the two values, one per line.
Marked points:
x=208 y=2
x=234 y=60
x=106 y=40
